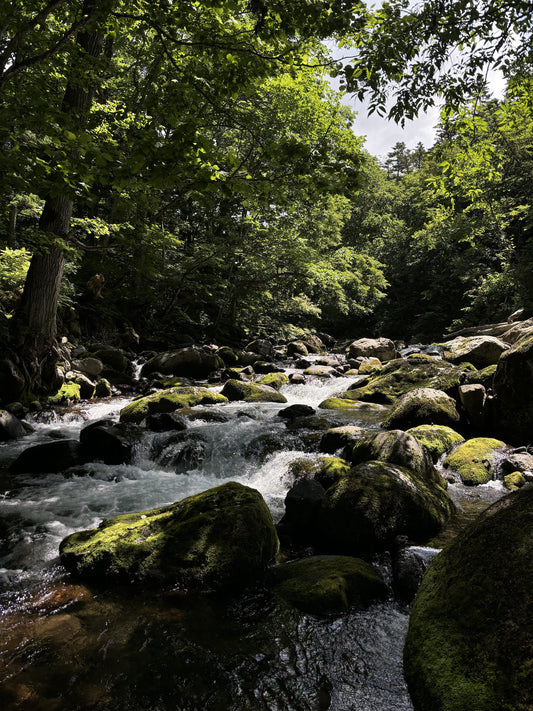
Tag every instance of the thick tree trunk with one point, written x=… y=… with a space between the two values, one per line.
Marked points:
x=34 y=328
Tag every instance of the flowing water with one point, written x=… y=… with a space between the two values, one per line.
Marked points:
x=65 y=646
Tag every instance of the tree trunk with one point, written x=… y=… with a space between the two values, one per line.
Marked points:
x=34 y=327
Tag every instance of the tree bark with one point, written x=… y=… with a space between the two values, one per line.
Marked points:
x=34 y=327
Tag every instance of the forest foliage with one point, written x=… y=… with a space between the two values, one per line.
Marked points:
x=218 y=186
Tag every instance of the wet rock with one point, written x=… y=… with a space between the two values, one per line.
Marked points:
x=297 y=378
x=228 y=355
x=322 y=585
x=369 y=365
x=169 y=401
x=472 y=399
x=297 y=348
x=92 y=367
x=220 y=539
x=51 y=457
x=408 y=568
x=114 y=358
x=341 y=440
x=517 y=461
x=165 y=422
x=322 y=371
x=10 y=427
x=251 y=392
x=475 y=461
x=262 y=367
x=514 y=481
x=111 y=444
x=311 y=422
x=190 y=362
x=436 y=439
x=469 y=639
x=376 y=502
x=381 y=348
x=181 y=451
x=260 y=346
x=103 y=388
x=302 y=504
x=303 y=363
x=293 y=411
x=87 y=387
x=422 y=406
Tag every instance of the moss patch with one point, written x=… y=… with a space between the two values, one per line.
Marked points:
x=251 y=392
x=514 y=481
x=422 y=406
x=168 y=401
x=217 y=539
x=400 y=376
x=274 y=380
x=436 y=439
x=326 y=584
x=69 y=391
x=474 y=460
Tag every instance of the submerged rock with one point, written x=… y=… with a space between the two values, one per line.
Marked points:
x=469 y=640
x=49 y=458
x=324 y=584
x=475 y=460
x=219 y=539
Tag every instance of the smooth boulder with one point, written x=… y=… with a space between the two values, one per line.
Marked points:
x=469 y=639
x=481 y=351
x=222 y=538
x=190 y=362
x=251 y=392
x=169 y=400
x=475 y=461
x=381 y=348
x=422 y=406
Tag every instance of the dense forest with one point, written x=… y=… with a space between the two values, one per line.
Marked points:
x=185 y=171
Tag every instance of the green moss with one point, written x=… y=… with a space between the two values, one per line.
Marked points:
x=483 y=377
x=474 y=460
x=372 y=365
x=218 y=538
x=436 y=439
x=400 y=376
x=274 y=380
x=326 y=584
x=422 y=406
x=469 y=639
x=419 y=358
x=514 y=481
x=168 y=401
x=68 y=391
x=338 y=403
x=251 y=392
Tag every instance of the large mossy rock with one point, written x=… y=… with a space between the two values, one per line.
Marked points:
x=168 y=401
x=251 y=392
x=475 y=460
x=274 y=380
x=436 y=439
x=481 y=351
x=219 y=539
x=422 y=406
x=376 y=502
x=469 y=644
x=396 y=447
x=190 y=362
x=400 y=376
x=513 y=388
x=327 y=584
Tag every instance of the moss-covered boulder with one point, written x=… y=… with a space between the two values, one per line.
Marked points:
x=376 y=502
x=481 y=351
x=400 y=376
x=322 y=371
x=513 y=387
x=274 y=380
x=469 y=644
x=251 y=392
x=422 y=406
x=326 y=470
x=327 y=584
x=369 y=365
x=475 y=461
x=396 y=447
x=340 y=439
x=484 y=377
x=514 y=481
x=436 y=439
x=168 y=401
x=340 y=403
x=228 y=355
x=192 y=362
x=68 y=392
x=222 y=538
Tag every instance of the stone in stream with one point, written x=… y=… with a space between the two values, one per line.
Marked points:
x=422 y=406
x=297 y=410
x=481 y=351
x=169 y=400
x=323 y=584
x=475 y=461
x=469 y=644
x=250 y=392
x=10 y=426
x=190 y=362
x=108 y=442
x=49 y=458
x=382 y=348
x=436 y=439
x=220 y=539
